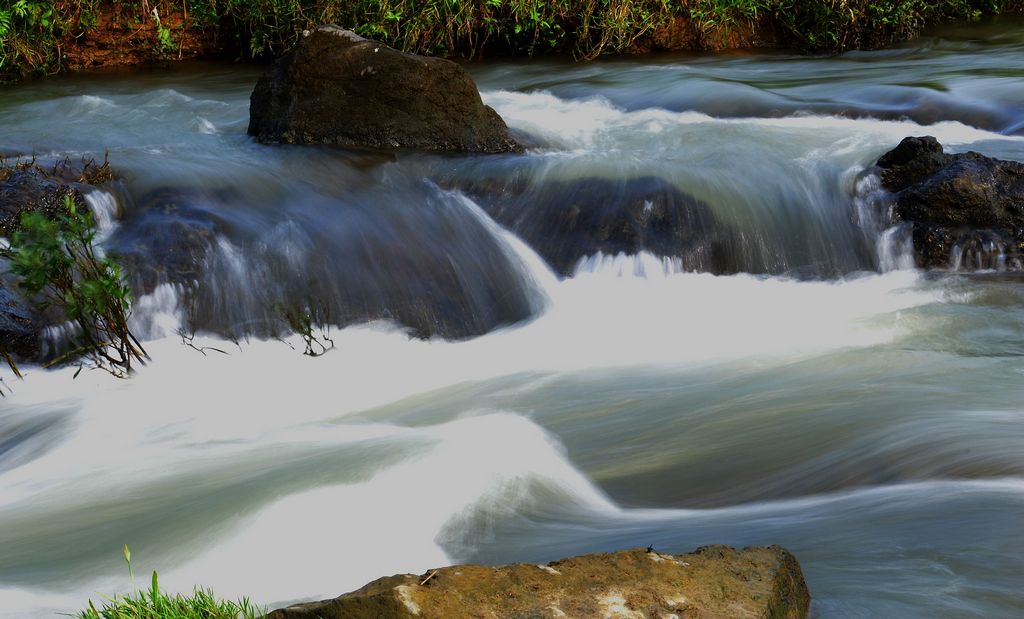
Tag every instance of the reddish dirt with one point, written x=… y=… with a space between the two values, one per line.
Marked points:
x=123 y=38
x=128 y=36
x=683 y=34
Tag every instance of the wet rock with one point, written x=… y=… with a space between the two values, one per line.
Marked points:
x=336 y=87
x=567 y=220
x=167 y=238
x=29 y=189
x=26 y=187
x=966 y=209
x=433 y=269
x=19 y=326
x=714 y=581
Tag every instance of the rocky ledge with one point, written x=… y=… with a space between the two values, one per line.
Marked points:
x=338 y=88
x=966 y=210
x=714 y=581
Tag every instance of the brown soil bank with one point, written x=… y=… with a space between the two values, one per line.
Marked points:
x=714 y=581
x=48 y=36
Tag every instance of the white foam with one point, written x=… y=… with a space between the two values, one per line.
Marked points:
x=191 y=418
x=337 y=536
x=594 y=122
x=203 y=125
x=158 y=314
x=105 y=211
x=895 y=249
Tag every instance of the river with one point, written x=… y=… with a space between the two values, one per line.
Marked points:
x=809 y=389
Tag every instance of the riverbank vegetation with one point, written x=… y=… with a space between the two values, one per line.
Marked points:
x=47 y=36
x=57 y=264
x=157 y=604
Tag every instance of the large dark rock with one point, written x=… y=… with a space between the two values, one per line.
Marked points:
x=167 y=237
x=967 y=210
x=566 y=220
x=336 y=87
x=432 y=268
x=715 y=581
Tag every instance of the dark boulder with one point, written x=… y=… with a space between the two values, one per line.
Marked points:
x=567 y=220
x=19 y=327
x=432 y=268
x=966 y=209
x=29 y=189
x=338 y=88
x=166 y=238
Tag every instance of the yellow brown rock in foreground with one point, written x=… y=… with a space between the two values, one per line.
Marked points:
x=714 y=581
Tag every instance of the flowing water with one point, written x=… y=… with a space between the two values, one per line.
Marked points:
x=810 y=389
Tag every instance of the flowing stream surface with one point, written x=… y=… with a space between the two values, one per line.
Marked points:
x=807 y=387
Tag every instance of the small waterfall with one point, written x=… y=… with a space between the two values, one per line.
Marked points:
x=982 y=251
x=536 y=274
x=54 y=339
x=893 y=242
x=644 y=265
x=158 y=314
x=425 y=259
x=106 y=210
x=896 y=249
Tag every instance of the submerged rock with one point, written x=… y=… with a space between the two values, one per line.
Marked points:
x=715 y=581
x=567 y=220
x=167 y=238
x=336 y=87
x=433 y=269
x=966 y=209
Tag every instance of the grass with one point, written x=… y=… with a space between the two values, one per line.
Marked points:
x=34 y=34
x=156 y=604
x=588 y=28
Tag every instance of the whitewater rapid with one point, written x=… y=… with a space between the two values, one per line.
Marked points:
x=209 y=428
x=829 y=397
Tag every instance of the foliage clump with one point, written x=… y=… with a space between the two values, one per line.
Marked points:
x=585 y=28
x=839 y=25
x=56 y=264
x=27 y=29
x=36 y=34
x=156 y=604
x=311 y=322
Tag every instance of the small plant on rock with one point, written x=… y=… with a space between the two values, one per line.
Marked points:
x=56 y=264
x=312 y=323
